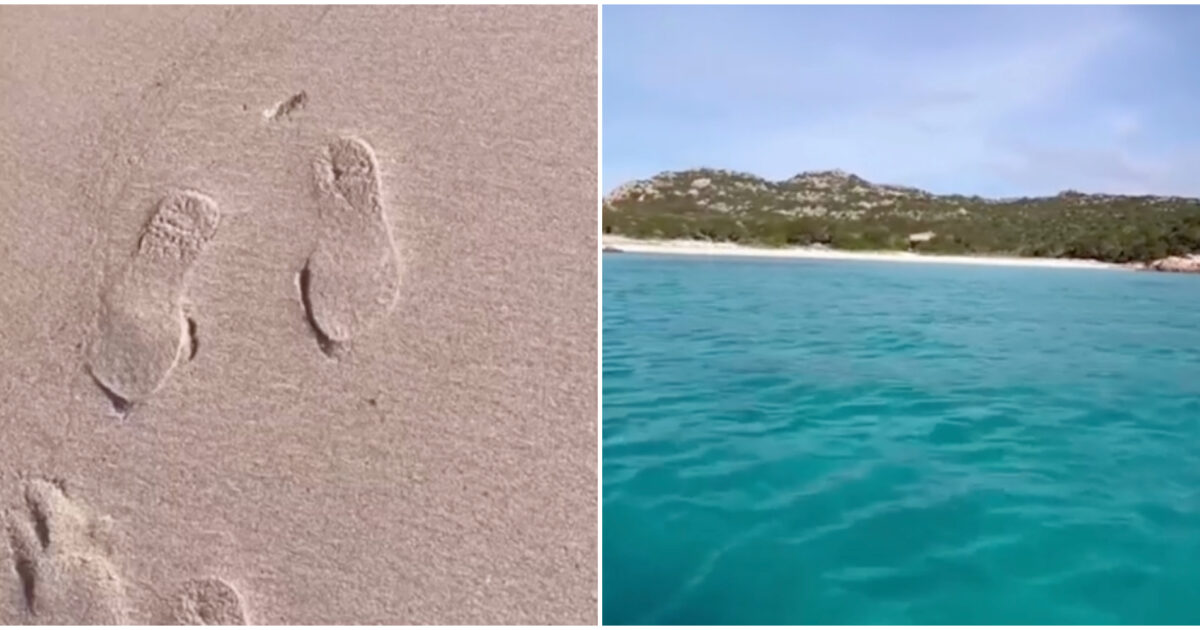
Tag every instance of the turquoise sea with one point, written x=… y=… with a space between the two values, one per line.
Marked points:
x=856 y=442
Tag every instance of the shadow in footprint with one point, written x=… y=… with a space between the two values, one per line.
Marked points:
x=28 y=577
x=120 y=406
x=327 y=345
x=193 y=339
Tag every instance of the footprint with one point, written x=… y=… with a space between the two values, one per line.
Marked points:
x=143 y=332
x=352 y=278
x=60 y=556
x=209 y=602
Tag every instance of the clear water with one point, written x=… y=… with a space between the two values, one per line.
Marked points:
x=850 y=442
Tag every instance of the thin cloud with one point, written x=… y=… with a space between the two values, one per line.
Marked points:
x=989 y=100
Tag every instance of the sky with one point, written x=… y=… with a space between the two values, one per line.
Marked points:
x=999 y=101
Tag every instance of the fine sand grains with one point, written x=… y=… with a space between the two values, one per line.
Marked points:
x=143 y=331
x=352 y=277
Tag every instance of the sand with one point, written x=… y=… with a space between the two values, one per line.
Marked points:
x=706 y=248
x=299 y=315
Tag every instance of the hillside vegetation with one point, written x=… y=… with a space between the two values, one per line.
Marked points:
x=842 y=211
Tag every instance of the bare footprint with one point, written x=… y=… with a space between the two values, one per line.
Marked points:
x=143 y=332
x=352 y=278
x=60 y=556
x=209 y=601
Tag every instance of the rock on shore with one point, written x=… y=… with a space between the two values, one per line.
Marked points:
x=1174 y=264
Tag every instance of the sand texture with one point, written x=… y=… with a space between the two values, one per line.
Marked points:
x=299 y=315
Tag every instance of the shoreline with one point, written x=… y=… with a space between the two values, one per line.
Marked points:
x=624 y=244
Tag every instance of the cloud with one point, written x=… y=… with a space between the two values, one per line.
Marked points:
x=949 y=114
x=989 y=100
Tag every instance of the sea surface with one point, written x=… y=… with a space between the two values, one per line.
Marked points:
x=790 y=441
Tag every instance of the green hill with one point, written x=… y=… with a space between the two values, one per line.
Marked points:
x=843 y=211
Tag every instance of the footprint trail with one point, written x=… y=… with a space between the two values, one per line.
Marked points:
x=352 y=278
x=143 y=332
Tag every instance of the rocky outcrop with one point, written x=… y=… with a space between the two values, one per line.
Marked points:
x=847 y=211
x=1176 y=264
x=921 y=237
x=838 y=194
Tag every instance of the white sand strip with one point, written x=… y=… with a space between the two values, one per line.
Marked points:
x=707 y=248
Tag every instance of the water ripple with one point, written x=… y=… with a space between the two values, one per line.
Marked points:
x=803 y=442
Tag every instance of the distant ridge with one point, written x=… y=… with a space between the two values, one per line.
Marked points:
x=845 y=211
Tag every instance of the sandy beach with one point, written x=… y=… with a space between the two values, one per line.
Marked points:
x=299 y=315
x=706 y=248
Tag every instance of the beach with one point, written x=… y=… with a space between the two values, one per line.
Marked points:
x=299 y=315
x=708 y=248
